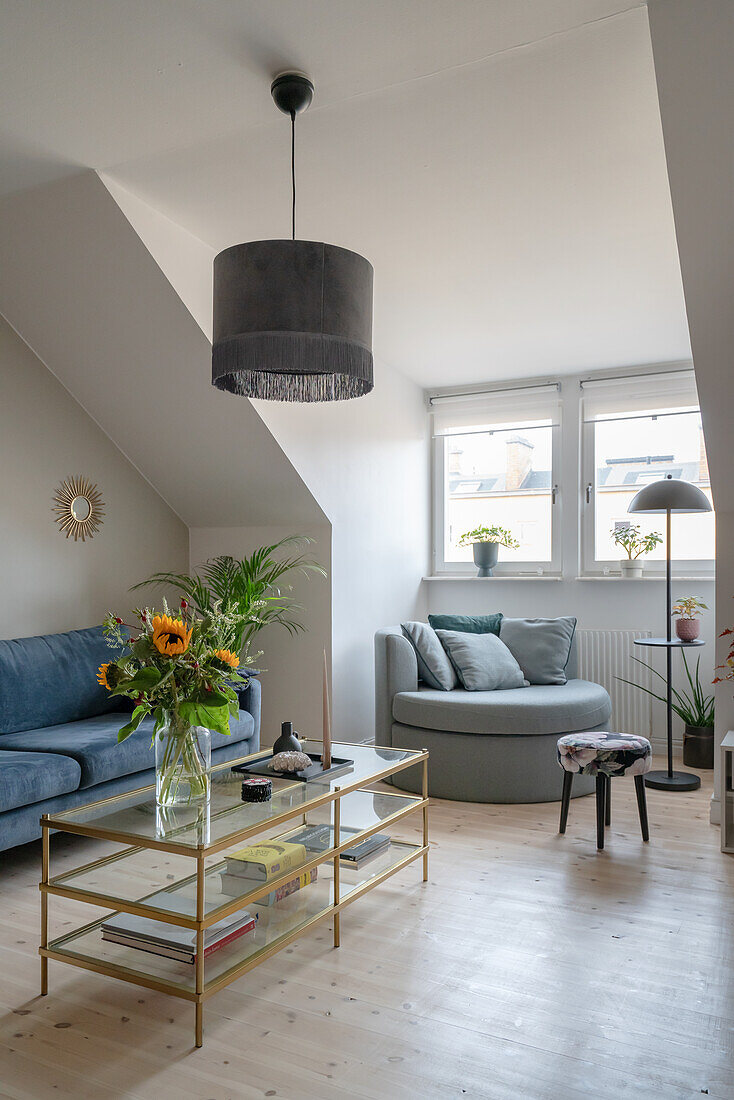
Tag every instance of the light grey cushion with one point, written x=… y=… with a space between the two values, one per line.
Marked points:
x=434 y=667
x=577 y=705
x=482 y=661
x=540 y=646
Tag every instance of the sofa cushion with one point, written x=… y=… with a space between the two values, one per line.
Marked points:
x=482 y=661
x=93 y=744
x=52 y=679
x=557 y=708
x=27 y=777
x=540 y=646
x=467 y=624
x=434 y=667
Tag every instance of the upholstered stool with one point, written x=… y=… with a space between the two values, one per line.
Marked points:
x=605 y=755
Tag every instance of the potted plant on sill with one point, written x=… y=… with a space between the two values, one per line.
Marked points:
x=486 y=542
x=630 y=538
x=695 y=709
x=687 y=610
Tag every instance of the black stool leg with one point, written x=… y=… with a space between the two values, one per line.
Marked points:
x=565 y=800
x=642 y=806
x=601 y=786
x=608 y=801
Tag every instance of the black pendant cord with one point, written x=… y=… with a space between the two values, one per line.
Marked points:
x=293 y=171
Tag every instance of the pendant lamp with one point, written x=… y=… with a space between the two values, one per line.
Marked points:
x=292 y=319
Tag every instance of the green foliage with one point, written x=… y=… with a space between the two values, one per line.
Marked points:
x=689 y=607
x=693 y=707
x=499 y=535
x=631 y=539
x=250 y=588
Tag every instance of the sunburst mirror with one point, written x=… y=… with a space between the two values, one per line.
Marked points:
x=79 y=508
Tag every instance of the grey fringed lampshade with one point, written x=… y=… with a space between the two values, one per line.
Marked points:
x=292 y=321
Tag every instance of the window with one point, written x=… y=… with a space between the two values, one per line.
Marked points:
x=495 y=457
x=636 y=431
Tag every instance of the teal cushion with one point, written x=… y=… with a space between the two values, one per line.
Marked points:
x=467 y=624
x=434 y=667
x=482 y=661
x=51 y=679
x=540 y=646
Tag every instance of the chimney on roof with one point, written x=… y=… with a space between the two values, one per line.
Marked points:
x=519 y=461
x=455 y=454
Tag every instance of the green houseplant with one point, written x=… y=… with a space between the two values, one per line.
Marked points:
x=251 y=590
x=694 y=708
x=486 y=542
x=629 y=537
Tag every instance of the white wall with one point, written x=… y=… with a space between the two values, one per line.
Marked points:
x=693 y=48
x=51 y=583
x=292 y=665
x=366 y=463
x=609 y=604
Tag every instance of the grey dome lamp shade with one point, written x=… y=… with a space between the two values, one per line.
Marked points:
x=292 y=319
x=668 y=497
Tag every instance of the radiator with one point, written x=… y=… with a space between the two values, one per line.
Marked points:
x=606 y=654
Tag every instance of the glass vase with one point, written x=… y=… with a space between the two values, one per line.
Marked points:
x=183 y=758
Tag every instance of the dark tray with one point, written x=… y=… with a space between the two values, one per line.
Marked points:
x=316 y=771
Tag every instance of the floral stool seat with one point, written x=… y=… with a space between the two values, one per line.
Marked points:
x=606 y=756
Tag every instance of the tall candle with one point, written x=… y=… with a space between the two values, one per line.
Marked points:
x=326 y=752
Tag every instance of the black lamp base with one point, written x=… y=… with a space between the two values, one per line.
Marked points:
x=678 y=781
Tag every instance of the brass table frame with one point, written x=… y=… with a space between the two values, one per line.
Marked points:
x=202 y=990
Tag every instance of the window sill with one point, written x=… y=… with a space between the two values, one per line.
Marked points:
x=504 y=577
x=710 y=577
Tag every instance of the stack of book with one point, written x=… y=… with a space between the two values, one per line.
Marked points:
x=262 y=862
x=169 y=940
x=319 y=838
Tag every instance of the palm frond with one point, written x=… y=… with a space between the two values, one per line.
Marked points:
x=251 y=587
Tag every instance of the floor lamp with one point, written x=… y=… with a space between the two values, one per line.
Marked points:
x=665 y=498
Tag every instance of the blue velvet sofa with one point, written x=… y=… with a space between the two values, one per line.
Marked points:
x=58 y=731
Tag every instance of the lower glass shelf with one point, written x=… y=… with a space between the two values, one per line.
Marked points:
x=275 y=923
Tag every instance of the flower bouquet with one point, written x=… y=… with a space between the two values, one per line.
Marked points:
x=179 y=670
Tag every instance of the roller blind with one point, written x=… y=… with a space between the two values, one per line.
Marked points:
x=458 y=413
x=608 y=398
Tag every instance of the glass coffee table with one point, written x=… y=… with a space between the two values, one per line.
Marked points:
x=170 y=862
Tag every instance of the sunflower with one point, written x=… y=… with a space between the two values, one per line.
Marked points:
x=102 y=676
x=170 y=636
x=227 y=657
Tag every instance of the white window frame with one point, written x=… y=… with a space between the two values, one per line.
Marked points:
x=441 y=567
x=703 y=568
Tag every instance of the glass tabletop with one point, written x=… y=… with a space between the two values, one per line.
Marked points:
x=134 y=817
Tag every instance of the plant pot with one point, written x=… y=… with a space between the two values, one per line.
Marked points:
x=485 y=557
x=631 y=568
x=183 y=757
x=688 y=629
x=698 y=746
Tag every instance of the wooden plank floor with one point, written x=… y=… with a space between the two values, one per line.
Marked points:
x=529 y=968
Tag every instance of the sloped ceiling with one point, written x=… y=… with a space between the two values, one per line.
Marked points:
x=501 y=163
x=86 y=295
